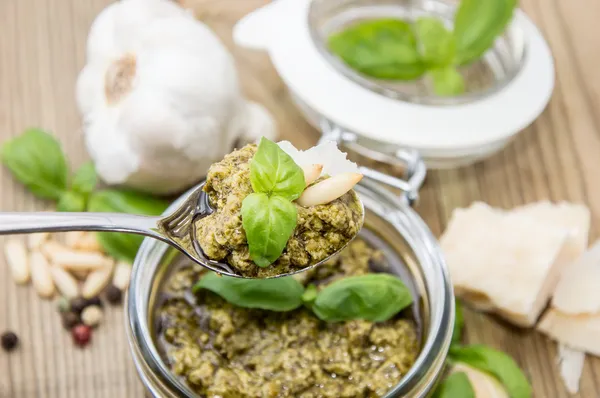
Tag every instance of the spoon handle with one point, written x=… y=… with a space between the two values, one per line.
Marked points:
x=30 y=222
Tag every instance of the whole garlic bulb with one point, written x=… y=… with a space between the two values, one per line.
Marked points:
x=160 y=98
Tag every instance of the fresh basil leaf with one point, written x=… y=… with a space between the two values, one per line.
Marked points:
x=459 y=322
x=119 y=245
x=477 y=23
x=436 y=43
x=381 y=48
x=269 y=221
x=456 y=385
x=71 y=201
x=274 y=172
x=277 y=294
x=372 y=297
x=497 y=364
x=85 y=179
x=36 y=159
x=447 y=81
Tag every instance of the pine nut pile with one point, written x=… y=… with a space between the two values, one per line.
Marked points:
x=74 y=270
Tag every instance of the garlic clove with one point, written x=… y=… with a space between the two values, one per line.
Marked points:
x=329 y=189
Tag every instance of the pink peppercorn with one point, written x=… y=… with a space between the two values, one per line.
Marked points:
x=82 y=335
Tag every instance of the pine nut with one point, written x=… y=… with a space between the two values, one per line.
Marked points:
x=34 y=241
x=17 y=259
x=312 y=172
x=329 y=189
x=65 y=282
x=122 y=275
x=92 y=315
x=97 y=281
x=40 y=275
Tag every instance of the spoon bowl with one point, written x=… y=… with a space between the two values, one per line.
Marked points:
x=176 y=229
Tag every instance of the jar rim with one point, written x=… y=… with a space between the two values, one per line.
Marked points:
x=419 y=380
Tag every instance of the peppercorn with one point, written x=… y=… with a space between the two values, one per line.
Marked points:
x=63 y=304
x=69 y=320
x=82 y=335
x=92 y=316
x=113 y=294
x=9 y=341
x=95 y=301
x=78 y=304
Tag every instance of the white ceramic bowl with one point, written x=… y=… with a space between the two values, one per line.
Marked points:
x=448 y=132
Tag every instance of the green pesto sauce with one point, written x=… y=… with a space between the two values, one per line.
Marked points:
x=220 y=350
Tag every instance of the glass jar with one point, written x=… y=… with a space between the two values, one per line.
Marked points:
x=505 y=90
x=396 y=224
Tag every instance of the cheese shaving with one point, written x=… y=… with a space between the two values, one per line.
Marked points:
x=328 y=154
x=570 y=362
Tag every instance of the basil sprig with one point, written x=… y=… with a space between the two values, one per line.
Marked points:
x=277 y=294
x=268 y=215
x=454 y=386
x=36 y=159
x=372 y=297
x=392 y=49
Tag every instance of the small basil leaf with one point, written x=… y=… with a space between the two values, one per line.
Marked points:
x=477 y=23
x=436 y=43
x=273 y=171
x=456 y=385
x=447 y=81
x=459 y=322
x=373 y=297
x=381 y=48
x=497 y=364
x=36 y=159
x=268 y=221
x=71 y=201
x=85 y=179
x=118 y=245
x=277 y=294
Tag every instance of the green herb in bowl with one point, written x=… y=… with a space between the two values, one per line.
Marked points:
x=393 y=49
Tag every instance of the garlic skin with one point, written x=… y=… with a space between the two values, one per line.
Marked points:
x=160 y=98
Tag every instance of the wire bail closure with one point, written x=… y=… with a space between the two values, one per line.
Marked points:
x=414 y=167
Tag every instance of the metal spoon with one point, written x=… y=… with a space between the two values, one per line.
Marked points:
x=176 y=229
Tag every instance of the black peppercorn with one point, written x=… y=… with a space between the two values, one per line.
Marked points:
x=113 y=294
x=78 y=304
x=69 y=320
x=9 y=341
x=95 y=301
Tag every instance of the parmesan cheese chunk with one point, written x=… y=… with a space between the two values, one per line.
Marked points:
x=571 y=366
x=574 y=316
x=504 y=262
x=574 y=217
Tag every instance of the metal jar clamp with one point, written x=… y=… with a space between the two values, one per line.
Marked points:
x=410 y=160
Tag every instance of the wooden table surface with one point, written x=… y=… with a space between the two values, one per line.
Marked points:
x=42 y=50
